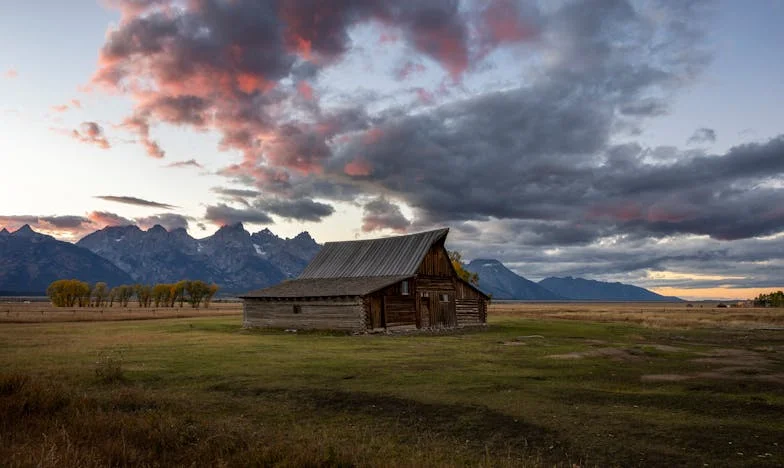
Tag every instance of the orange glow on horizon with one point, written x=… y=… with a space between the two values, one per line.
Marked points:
x=714 y=293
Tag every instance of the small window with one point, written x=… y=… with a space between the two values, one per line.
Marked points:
x=404 y=288
x=444 y=297
x=425 y=294
x=297 y=309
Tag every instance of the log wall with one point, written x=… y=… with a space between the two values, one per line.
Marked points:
x=326 y=314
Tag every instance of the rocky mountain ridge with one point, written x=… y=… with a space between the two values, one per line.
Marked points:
x=233 y=258
x=30 y=261
x=503 y=283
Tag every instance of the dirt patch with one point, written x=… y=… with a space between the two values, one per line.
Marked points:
x=734 y=357
x=665 y=378
x=664 y=348
x=615 y=354
x=732 y=364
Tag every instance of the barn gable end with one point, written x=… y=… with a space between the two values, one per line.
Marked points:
x=395 y=282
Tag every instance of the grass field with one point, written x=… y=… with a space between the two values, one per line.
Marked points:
x=532 y=389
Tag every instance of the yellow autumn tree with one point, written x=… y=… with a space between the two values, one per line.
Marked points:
x=457 y=261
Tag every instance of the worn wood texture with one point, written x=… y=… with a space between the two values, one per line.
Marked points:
x=399 y=311
x=436 y=263
x=342 y=314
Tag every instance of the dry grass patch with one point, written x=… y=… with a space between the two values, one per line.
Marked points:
x=652 y=315
x=42 y=312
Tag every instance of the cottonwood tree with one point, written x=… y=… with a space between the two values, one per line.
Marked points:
x=100 y=292
x=161 y=293
x=212 y=289
x=197 y=291
x=143 y=294
x=457 y=262
x=67 y=293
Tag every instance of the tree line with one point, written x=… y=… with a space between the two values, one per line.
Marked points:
x=774 y=299
x=75 y=293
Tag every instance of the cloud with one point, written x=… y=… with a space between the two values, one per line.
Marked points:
x=222 y=214
x=184 y=164
x=135 y=201
x=72 y=227
x=11 y=73
x=66 y=226
x=139 y=125
x=236 y=195
x=300 y=210
x=230 y=192
x=381 y=214
x=170 y=221
x=72 y=104
x=92 y=133
x=528 y=169
x=105 y=218
x=702 y=135
x=220 y=65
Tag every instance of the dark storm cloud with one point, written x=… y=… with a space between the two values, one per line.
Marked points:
x=536 y=151
x=219 y=65
x=230 y=192
x=382 y=214
x=300 y=210
x=222 y=214
x=134 y=201
x=702 y=135
x=530 y=173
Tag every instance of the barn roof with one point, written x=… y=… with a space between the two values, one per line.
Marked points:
x=325 y=287
x=389 y=256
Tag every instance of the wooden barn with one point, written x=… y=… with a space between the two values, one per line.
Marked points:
x=389 y=283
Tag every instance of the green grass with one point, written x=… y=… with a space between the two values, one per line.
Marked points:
x=204 y=391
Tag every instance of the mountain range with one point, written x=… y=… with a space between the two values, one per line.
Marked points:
x=236 y=260
x=233 y=258
x=503 y=283
x=29 y=261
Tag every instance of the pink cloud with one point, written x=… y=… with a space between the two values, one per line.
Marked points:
x=502 y=22
x=359 y=167
x=105 y=218
x=11 y=73
x=425 y=96
x=408 y=69
x=305 y=90
x=92 y=133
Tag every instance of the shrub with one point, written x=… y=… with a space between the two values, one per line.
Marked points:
x=109 y=367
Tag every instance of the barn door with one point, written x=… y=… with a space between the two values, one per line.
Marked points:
x=445 y=315
x=376 y=312
x=423 y=319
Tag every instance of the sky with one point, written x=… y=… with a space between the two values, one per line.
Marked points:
x=633 y=141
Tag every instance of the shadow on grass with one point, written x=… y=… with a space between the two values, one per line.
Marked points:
x=477 y=427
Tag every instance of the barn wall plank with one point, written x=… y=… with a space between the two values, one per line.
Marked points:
x=322 y=314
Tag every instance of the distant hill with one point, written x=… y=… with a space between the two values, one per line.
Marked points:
x=581 y=289
x=503 y=283
x=30 y=261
